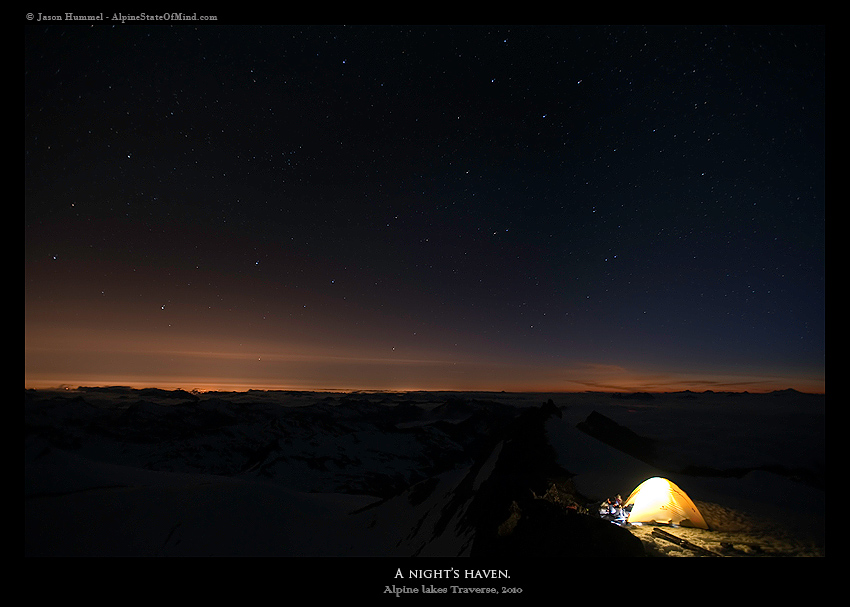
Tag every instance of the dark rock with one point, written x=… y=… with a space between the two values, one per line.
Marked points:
x=610 y=432
x=528 y=506
x=537 y=527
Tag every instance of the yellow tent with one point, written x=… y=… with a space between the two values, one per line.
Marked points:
x=657 y=500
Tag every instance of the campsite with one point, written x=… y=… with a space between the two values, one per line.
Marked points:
x=121 y=472
x=655 y=501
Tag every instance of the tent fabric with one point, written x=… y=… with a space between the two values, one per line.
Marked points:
x=658 y=500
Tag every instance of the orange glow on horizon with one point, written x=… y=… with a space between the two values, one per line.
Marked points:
x=72 y=357
x=234 y=385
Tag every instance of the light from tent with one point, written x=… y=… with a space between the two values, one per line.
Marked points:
x=658 y=500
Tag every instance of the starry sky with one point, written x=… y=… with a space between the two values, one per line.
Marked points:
x=552 y=208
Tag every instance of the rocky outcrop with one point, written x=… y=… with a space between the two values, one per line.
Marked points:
x=610 y=432
x=529 y=507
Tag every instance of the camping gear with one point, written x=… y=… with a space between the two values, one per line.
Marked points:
x=658 y=500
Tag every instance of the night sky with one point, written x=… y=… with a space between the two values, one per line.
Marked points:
x=519 y=208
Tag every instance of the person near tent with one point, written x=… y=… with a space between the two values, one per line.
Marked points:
x=619 y=513
x=612 y=508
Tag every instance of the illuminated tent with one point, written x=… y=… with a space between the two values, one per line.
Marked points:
x=657 y=500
